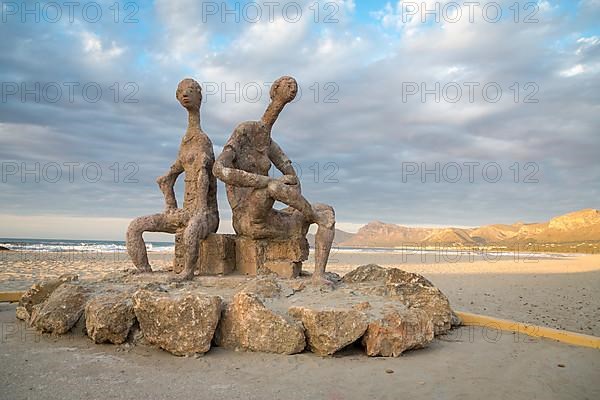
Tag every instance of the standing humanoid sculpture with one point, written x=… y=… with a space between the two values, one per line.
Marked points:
x=244 y=167
x=200 y=214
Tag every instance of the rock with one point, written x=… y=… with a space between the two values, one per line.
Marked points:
x=365 y=273
x=180 y=324
x=282 y=257
x=109 y=317
x=399 y=329
x=217 y=254
x=427 y=299
x=365 y=305
x=266 y=287
x=410 y=289
x=247 y=324
x=328 y=331
x=2 y=248
x=374 y=272
x=38 y=293
x=61 y=311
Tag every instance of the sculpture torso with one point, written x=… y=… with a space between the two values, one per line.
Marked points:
x=250 y=142
x=197 y=158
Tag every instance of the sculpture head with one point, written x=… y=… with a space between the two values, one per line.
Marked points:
x=284 y=90
x=189 y=94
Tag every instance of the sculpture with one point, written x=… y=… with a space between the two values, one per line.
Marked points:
x=200 y=214
x=244 y=167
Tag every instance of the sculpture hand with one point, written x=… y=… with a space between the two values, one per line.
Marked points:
x=165 y=183
x=289 y=180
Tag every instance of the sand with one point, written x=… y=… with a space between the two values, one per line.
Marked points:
x=558 y=292
x=470 y=363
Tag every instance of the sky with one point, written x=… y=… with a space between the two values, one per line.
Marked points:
x=429 y=113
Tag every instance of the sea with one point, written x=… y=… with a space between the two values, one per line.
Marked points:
x=118 y=246
x=65 y=245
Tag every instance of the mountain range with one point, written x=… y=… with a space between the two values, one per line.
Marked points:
x=578 y=226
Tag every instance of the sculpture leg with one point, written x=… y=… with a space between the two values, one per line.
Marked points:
x=196 y=231
x=290 y=195
x=323 y=239
x=136 y=247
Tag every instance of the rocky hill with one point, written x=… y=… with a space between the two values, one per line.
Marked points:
x=578 y=226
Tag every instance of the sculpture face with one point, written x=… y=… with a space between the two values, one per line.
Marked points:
x=284 y=89
x=189 y=94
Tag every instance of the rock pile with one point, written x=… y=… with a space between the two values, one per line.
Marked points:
x=387 y=311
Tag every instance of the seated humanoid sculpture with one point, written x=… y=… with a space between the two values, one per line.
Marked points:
x=244 y=166
x=200 y=214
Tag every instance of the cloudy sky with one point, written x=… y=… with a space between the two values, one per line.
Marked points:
x=463 y=115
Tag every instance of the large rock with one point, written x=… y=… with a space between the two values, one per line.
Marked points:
x=375 y=273
x=38 y=293
x=399 y=329
x=270 y=287
x=109 y=317
x=182 y=324
x=247 y=324
x=410 y=289
x=61 y=311
x=330 y=330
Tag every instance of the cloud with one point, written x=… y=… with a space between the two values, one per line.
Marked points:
x=93 y=47
x=352 y=127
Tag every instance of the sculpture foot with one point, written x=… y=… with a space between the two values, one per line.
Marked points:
x=321 y=280
x=185 y=276
x=142 y=270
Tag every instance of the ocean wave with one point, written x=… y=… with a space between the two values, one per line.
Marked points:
x=83 y=247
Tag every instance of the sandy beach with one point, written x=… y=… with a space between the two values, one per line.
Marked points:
x=468 y=363
x=556 y=291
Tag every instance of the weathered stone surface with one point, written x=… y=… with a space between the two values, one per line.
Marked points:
x=284 y=269
x=244 y=166
x=217 y=254
x=38 y=293
x=282 y=257
x=248 y=256
x=247 y=324
x=410 y=289
x=390 y=309
x=374 y=272
x=266 y=287
x=182 y=324
x=109 y=317
x=61 y=311
x=330 y=330
x=398 y=330
x=179 y=258
x=199 y=215
x=366 y=273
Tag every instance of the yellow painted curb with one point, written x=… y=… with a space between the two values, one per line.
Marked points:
x=10 y=297
x=577 y=339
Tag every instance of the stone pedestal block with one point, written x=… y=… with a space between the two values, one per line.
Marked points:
x=217 y=254
x=264 y=256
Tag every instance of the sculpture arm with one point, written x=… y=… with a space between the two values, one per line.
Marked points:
x=225 y=171
x=166 y=183
x=280 y=160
